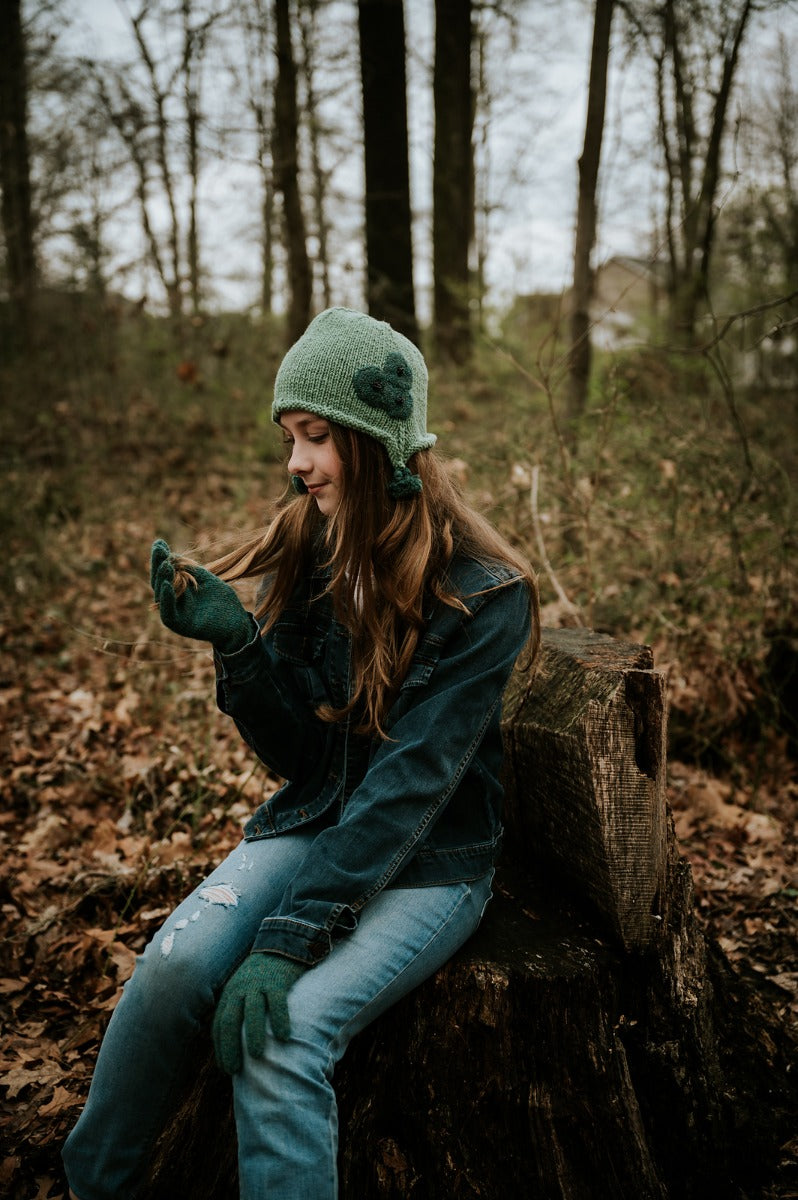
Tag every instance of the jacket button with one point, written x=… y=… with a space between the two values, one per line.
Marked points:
x=258 y=829
x=303 y=812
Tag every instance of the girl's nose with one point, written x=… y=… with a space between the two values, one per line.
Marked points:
x=297 y=463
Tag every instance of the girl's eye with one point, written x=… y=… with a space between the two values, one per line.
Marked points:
x=318 y=438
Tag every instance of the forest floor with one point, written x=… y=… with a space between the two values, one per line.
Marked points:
x=123 y=786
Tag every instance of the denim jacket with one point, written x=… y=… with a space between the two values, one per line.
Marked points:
x=421 y=808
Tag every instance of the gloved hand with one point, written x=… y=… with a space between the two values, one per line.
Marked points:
x=208 y=609
x=260 y=985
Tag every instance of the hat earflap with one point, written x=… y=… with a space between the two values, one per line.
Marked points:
x=404 y=484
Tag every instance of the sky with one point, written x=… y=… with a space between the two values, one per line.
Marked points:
x=539 y=82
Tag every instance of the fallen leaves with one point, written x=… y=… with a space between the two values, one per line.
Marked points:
x=122 y=788
x=109 y=820
x=741 y=846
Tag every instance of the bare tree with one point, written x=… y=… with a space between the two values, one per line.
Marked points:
x=388 y=217
x=453 y=178
x=154 y=106
x=256 y=63
x=286 y=168
x=780 y=129
x=308 y=11
x=755 y=267
x=481 y=158
x=17 y=209
x=195 y=38
x=586 y=217
x=695 y=49
x=160 y=94
x=130 y=120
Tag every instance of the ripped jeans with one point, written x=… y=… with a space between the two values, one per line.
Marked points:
x=285 y=1107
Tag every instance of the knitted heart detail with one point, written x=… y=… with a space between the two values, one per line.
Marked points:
x=387 y=388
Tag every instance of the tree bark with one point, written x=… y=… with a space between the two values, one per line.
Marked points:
x=17 y=205
x=389 y=248
x=587 y=1042
x=286 y=168
x=453 y=179
x=586 y=219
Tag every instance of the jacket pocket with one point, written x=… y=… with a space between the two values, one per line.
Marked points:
x=297 y=643
x=425 y=660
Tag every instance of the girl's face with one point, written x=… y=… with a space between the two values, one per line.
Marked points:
x=314 y=458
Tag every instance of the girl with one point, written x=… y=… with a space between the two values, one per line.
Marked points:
x=370 y=677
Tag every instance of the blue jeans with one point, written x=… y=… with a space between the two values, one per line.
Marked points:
x=285 y=1107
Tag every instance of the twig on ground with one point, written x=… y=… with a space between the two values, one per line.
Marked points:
x=569 y=606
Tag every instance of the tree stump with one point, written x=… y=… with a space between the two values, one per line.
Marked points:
x=585 y=777
x=586 y=1042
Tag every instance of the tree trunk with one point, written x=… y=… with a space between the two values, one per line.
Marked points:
x=694 y=235
x=260 y=101
x=171 y=276
x=267 y=237
x=307 y=24
x=453 y=178
x=481 y=173
x=587 y=1043
x=17 y=210
x=128 y=119
x=286 y=168
x=389 y=247
x=582 y=294
x=192 y=39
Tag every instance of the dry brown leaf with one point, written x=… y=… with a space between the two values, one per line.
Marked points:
x=62 y=1099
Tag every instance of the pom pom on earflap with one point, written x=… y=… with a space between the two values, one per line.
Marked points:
x=298 y=484
x=404 y=484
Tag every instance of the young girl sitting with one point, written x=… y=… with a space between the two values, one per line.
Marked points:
x=370 y=678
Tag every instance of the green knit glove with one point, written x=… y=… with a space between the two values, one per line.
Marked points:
x=210 y=612
x=260 y=985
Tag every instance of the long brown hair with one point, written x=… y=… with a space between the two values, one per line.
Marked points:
x=386 y=556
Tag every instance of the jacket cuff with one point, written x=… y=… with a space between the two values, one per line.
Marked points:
x=240 y=664
x=301 y=940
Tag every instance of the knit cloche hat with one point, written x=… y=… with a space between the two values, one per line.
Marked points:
x=359 y=372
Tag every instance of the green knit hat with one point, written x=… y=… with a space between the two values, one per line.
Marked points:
x=361 y=373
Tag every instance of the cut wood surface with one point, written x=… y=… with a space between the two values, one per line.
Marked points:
x=585 y=776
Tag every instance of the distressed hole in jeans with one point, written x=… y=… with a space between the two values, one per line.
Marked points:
x=220 y=893
x=217 y=893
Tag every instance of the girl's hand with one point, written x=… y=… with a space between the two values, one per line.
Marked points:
x=207 y=609
x=259 y=986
